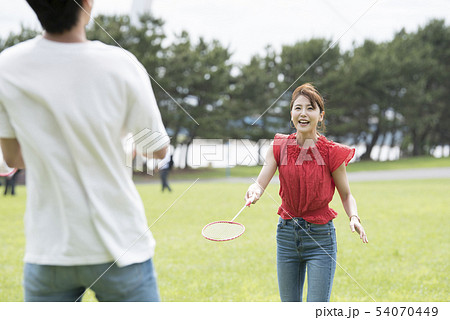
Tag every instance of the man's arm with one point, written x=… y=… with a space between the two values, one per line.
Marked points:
x=12 y=153
x=160 y=154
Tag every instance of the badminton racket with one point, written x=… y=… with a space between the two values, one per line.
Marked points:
x=225 y=230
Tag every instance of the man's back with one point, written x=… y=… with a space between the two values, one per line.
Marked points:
x=69 y=106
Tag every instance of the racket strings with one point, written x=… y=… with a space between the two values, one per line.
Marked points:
x=223 y=230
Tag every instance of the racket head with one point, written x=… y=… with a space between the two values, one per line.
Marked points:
x=223 y=230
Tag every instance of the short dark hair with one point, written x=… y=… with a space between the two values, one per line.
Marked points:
x=56 y=16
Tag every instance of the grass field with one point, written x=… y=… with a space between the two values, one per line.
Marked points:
x=407 y=258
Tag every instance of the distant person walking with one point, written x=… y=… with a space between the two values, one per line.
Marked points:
x=10 y=183
x=65 y=105
x=166 y=166
x=310 y=167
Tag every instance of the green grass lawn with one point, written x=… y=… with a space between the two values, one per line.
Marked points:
x=407 y=258
x=245 y=171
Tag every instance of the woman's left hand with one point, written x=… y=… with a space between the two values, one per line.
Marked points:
x=355 y=224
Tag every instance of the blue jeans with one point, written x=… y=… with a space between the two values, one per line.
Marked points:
x=136 y=282
x=301 y=247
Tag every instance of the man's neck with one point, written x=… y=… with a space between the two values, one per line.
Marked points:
x=76 y=34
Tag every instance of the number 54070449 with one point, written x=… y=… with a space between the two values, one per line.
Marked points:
x=410 y=311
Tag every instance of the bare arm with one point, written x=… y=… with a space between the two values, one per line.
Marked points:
x=268 y=170
x=12 y=153
x=159 y=154
x=348 y=201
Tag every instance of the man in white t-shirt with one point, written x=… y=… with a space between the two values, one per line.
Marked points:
x=65 y=105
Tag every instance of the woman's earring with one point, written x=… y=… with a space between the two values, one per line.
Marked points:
x=291 y=124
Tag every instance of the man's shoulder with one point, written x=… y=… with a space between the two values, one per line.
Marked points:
x=116 y=55
x=17 y=50
x=113 y=50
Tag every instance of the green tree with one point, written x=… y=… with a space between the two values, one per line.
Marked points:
x=13 y=39
x=197 y=78
x=255 y=110
x=363 y=96
x=375 y=91
x=424 y=67
x=307 y=61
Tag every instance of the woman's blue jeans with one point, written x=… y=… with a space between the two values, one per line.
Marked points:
x=305 y=247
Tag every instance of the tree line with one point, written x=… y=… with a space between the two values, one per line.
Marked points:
x=391 y=93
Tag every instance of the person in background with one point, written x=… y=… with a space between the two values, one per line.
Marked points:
x=166 y=165
x=10 y=183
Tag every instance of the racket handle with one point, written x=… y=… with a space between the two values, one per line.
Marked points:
x=249 y=202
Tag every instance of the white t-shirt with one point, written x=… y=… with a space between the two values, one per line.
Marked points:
x=69 y=105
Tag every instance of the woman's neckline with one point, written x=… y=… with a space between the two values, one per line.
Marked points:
x=308 y=141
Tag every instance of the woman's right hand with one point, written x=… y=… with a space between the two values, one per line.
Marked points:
x=256 y=190
x=253 y=193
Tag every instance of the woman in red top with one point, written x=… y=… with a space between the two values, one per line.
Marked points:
x=310 y=167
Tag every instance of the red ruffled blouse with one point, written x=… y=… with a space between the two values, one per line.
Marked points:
x=306 y=184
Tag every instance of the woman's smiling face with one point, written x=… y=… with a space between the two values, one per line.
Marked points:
x=305 y=115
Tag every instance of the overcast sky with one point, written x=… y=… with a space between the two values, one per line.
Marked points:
x=247 y=26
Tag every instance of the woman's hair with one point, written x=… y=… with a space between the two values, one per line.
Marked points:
x=56 y=16
x=310 y=92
